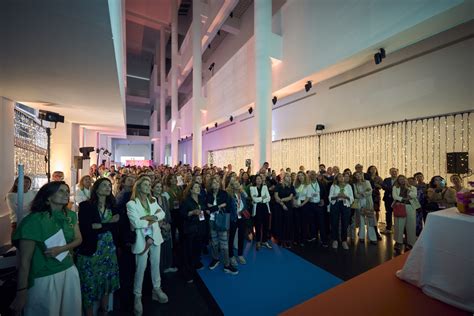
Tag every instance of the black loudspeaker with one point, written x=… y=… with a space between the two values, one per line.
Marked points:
x=78 y=162
x=457 y=163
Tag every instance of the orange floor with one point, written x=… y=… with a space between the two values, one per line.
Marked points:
x=376 y=292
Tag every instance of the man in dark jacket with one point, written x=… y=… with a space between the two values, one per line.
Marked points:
x=387 y=186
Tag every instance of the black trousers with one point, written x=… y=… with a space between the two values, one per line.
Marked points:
x=299 y=214
x=176 y=226
x=388 y=213
x=126 y=263
x=262 y=222
x=316 y=221
x=191 y=253
x=240 y=224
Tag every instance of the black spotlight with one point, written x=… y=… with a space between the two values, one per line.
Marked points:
x=219 y=32
x=250 y=110
x=211 y=66
x=209 y=46
x=382 y=53
x=320 y=127
x=274 y=100
x=231 y=14
x=207 y=128
x=378 y=58
x=85 y=151
x=215 y=124
x=231 y=118
x=308 y=86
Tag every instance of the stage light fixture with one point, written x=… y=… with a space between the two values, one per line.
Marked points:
x=85 y=151
x=231 y=14
x=231 y=118
x=274 y=100
x=50 y=116
x=382 y=53
x=250 y=110
x=207 y=128
x=219 y=32
x=320 y=127
x=308 y=86
x=211 y=66
x=377 y=58
x=215 y=124
x=209 y=46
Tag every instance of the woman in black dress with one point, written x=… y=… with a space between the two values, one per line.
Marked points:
x=284 y=194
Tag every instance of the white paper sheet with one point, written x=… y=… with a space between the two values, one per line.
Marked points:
x=57 y=240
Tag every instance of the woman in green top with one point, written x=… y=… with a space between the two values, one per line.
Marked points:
x=48 y=281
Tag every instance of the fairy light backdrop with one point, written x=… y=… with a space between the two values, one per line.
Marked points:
x=411 y=146
x=30 y=147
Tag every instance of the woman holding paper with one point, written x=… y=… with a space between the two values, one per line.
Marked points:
x=48 y=281
x=97 y=258
x=145 y=214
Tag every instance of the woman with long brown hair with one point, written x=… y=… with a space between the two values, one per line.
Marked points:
x=46 y=285
x=97 y=259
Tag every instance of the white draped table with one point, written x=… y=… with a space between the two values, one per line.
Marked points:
x=441 y=262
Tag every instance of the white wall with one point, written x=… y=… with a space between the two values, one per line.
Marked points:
x=436 y=83
x=318 y=35
x=6 y=163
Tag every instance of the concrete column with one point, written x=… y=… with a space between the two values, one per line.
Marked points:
x=197 y=84
x=7 y=164
x=263 y=83
x=174 y=82
x=163 y=94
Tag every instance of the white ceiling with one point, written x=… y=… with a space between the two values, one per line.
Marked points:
x=61 y=53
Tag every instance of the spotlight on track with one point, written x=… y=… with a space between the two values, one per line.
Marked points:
x=274 y=100
x=308 y=86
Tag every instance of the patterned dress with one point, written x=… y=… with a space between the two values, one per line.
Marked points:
x=99 y=273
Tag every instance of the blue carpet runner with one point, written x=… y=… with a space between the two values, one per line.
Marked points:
x=272 y=281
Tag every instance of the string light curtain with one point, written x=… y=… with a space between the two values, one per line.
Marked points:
x=411 y=146
x=30 y=146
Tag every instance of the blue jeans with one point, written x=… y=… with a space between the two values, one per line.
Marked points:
x=342 y=213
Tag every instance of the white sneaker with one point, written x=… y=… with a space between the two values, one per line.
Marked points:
x=137 y=306
x=233 y=262
x=335 y=244
x=160 y=296
x=171 y=270
x=345 y=245
x=242 y=260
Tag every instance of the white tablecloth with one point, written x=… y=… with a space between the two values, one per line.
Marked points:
x=441 y=262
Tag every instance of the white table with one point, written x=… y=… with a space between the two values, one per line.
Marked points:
x=441 y=262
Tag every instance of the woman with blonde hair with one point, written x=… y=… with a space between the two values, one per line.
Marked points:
x=364 y=206
x=261 y=211
x=83 y=193
x=406 y=195
x=144 y=214
x=341 y=198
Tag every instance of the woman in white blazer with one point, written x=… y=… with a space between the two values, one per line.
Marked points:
x=144 y=214
x=261 y=211
x=404 y=193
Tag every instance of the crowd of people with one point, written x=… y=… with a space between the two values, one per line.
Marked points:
x=76 y=251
